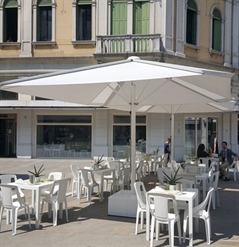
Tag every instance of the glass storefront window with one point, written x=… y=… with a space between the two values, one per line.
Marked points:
x=122 y=133
x=198 y=130
x=64 y=140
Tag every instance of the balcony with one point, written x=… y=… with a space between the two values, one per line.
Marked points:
x=129 y=44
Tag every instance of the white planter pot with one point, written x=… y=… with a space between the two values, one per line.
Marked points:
x=172 y=187
x=37 y=179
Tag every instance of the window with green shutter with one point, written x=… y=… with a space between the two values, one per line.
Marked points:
x=118 y=17
x=141 y=17
x=44 y=20
x=84 y=20
x=10 y=17
x=191 y=32
x=216 y=30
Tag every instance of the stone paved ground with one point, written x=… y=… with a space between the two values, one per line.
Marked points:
x=90 y=226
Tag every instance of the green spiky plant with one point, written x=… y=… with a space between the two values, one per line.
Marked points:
x=172 y=179
x=37 y=172
x=99 y=160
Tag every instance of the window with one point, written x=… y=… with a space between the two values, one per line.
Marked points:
x=197 y=131
x=122 y=132
x=44 y=20
x=5 y=95
x=83 y=20
x=64 y=136
x=141 y=17
x=216 y=30
x=119 y=17
x=10 y=21
x=191 y=32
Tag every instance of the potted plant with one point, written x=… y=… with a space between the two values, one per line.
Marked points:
x=98 y=162
x=37 y=173
x=171 y=180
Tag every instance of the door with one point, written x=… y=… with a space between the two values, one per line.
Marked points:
x=7 y=136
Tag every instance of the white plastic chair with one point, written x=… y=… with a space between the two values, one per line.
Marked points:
x=159 y=209
x=87 y=183
x=52 y=176
x=235 y=169
x=213 y=182
x=56 y=195
x=109 y=177
x=201 y=211
x=8 y=178
x=122 y=180
x=162 y=162
x=141 y=206
x=9 y=204
x=74 y=171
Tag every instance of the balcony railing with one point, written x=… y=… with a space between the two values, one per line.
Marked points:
x=128 y=43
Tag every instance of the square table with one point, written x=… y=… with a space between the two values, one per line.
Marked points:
x=102 y=172
x=191 y=196
x=36 y=194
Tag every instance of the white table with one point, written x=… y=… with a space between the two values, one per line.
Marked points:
x=203 y=177
x=102 y=172
x=36 y=194
x=191 y=196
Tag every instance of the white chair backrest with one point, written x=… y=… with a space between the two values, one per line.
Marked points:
x=140 y=194
x=110 y=159
x=74 y=171
x=59 y=188
x=161 y=205
x=174 y=165
x=56 y=175
x=205 y=205
x=125 y=175
x=7 y=178
x=7 y=193
x=160 y=175
x=213 y=167
x=87 y=177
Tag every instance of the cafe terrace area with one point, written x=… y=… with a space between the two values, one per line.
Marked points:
x=91 y=226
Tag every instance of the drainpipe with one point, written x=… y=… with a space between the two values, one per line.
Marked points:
x=232 y=12
x=175 y=26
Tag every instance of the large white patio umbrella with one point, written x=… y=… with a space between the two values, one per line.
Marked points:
x=131 y=84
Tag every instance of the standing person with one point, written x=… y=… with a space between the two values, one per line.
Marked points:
x=226 y=157
x=167 y=149
x=214 y=143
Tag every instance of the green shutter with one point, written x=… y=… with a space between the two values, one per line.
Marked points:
x=216 y=34
x=119 y=17
x=141 y=17
x=44 y=3
x=84 y=2
x=11 y=4
x=145 y=17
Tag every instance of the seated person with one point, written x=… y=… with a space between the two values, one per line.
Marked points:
x=201 y=153
x=226 y=158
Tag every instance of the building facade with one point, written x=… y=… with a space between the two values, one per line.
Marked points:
x=42 y=36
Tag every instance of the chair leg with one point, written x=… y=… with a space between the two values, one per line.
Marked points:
x=66 y=209
x=1 y=213
x=213 y=200
x=49 y=210
x=152 y=231
x=42 y=204
x=54 y=209
x=14 y=220
x=137 y=221
x=141 y=219
x=208 y=230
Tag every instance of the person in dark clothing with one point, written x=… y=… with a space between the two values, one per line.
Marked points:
x=167 y=149
x=214 y=143
x=201 y=151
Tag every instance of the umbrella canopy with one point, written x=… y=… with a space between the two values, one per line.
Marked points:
x=130 y=84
